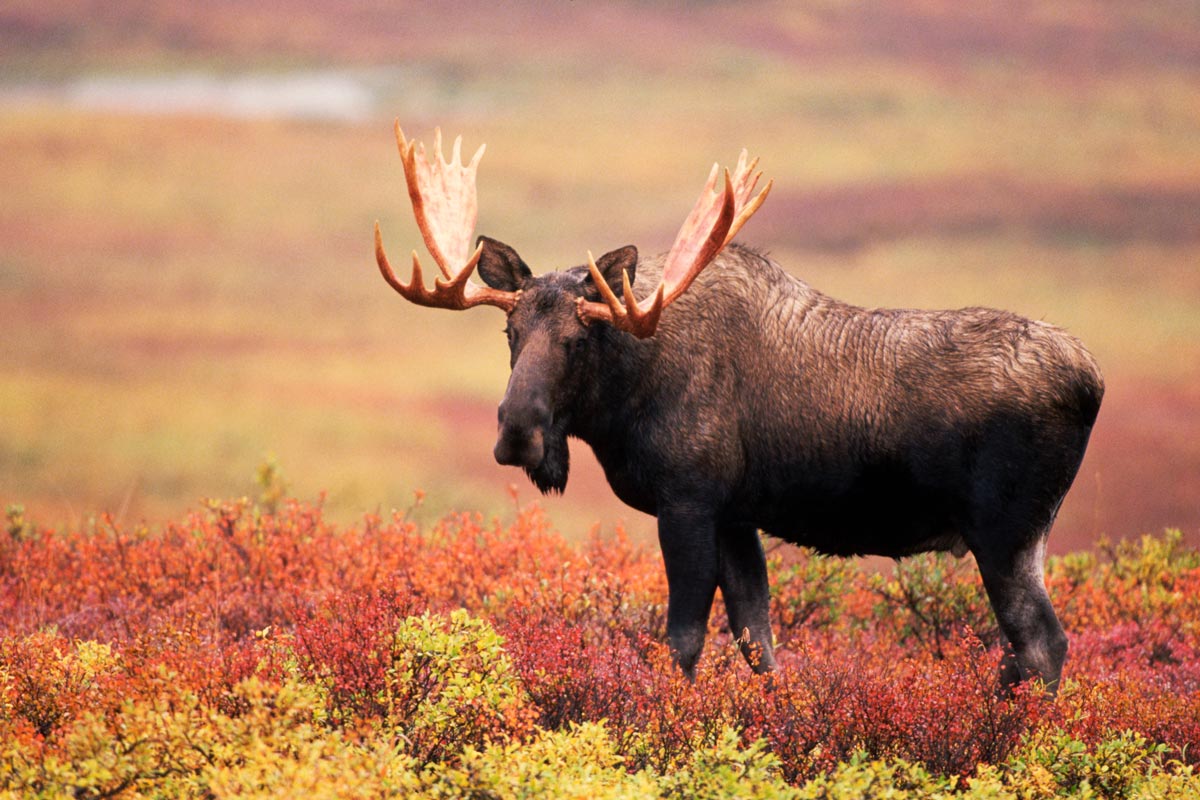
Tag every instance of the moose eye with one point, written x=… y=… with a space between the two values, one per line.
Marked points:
x=511 y=333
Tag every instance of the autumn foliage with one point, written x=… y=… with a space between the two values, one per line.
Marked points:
x=258 y=649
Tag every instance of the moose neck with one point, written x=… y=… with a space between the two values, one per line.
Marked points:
x=600 y=413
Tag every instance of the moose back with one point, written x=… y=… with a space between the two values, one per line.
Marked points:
x=734 y=398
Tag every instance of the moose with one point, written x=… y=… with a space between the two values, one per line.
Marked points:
x=733 y=398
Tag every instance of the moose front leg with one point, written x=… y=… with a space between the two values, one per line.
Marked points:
x=688 y=539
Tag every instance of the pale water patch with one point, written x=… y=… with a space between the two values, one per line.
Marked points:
x=321 y=95
x=339 y=95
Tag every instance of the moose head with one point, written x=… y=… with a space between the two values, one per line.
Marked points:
x=556 y=321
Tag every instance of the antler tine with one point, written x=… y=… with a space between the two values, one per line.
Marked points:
x=457 y=293
x=413 y=291
x=629 y=316
x=712 y=223
x=445 y=207
x=744 y=180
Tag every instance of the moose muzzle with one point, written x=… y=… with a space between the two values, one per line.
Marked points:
x=518 y=447
x=524 y=415
x=521 y=441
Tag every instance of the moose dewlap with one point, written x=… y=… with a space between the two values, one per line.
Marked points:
x=734 y=398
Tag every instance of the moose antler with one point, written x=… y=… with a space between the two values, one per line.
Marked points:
x=445 y=207
x=714 y=221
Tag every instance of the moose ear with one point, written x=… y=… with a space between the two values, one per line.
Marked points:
x=612 y=265
x=500 y=266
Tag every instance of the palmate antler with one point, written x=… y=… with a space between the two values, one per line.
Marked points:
x=714 y=221
x=445 y=207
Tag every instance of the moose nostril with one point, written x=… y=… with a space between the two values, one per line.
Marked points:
x=508 y=449
x=519 y=447
x=503 y=452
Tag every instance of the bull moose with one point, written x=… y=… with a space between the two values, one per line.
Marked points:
x=734 y=398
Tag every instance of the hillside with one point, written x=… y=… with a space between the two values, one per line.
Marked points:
x=187 y=289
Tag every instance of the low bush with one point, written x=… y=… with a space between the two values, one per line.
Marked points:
x=258 y=650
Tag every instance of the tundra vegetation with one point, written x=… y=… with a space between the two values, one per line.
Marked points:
x=256 y=649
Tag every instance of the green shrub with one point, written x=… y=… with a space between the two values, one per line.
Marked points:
x=452 y=685
x=143 y=745
x=809 y=591
x=1113 y=768
x=579 y=762
x=728 y=769
x=18 y=527
x=861 y=778
x=933 y=599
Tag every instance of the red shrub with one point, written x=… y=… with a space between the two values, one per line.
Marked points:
x=834 y=697
x=47 y=680
x=886 y=665
x=344 y=643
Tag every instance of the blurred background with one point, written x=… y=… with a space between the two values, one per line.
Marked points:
x=187 y=190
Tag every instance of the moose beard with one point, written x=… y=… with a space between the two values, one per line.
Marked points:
x=550 y=476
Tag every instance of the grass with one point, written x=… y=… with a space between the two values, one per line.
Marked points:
x=183 y=295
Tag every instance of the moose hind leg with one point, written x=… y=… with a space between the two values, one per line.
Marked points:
x=1016 y=586
x=744 y=588
x=689 y=546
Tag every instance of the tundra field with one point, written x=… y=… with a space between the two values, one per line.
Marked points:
x=255 y=649
x=187 y=294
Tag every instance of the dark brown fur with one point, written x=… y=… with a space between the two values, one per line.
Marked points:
x=761 y=404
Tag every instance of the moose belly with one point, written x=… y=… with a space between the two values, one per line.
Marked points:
x=880 y=510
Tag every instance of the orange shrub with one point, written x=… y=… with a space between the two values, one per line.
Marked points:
x=442 y=643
